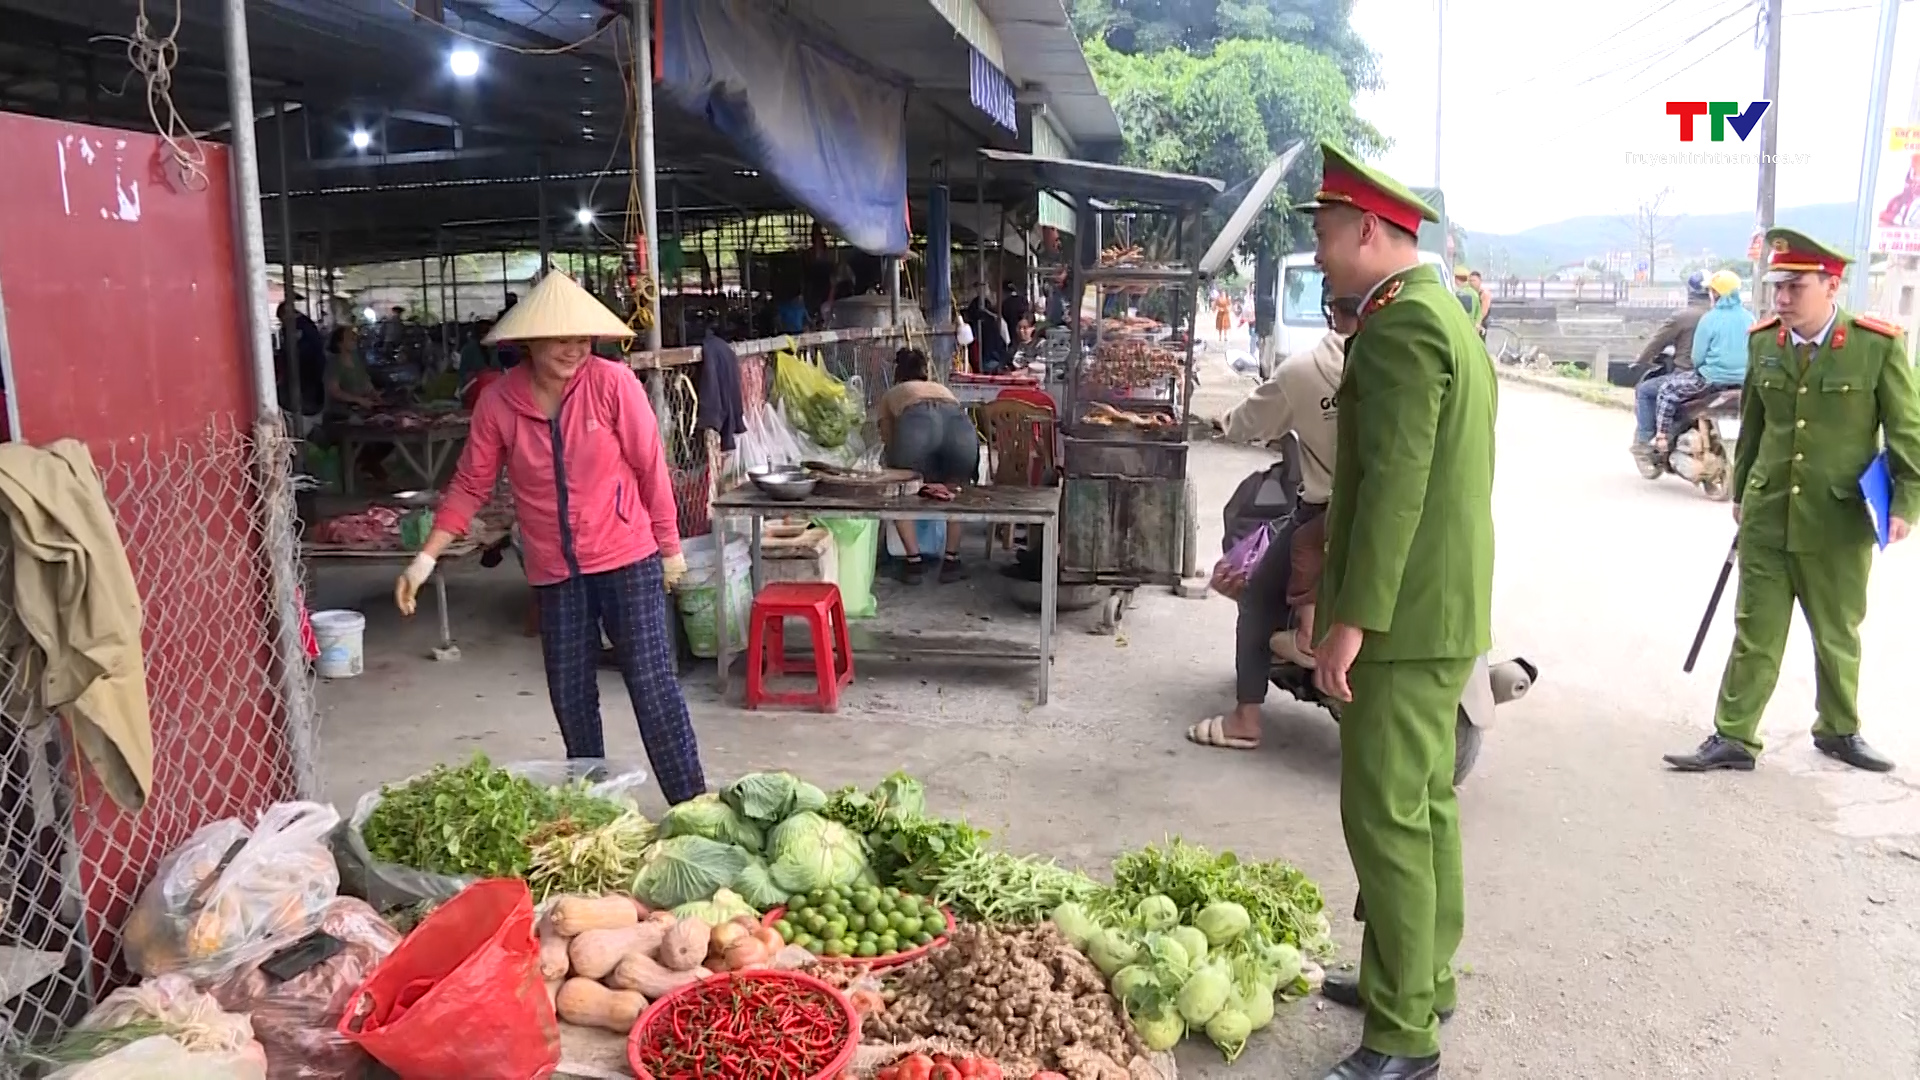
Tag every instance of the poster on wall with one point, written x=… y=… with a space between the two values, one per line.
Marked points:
x=1896 y=193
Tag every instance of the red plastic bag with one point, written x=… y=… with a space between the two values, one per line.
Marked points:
x=462 y=995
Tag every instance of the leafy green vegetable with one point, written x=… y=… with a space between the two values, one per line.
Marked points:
x=995 y=886
x=725 y=905
x=1282 y=903
x=899 y=795
x=682 y=869
x=587 y=862
x=1157 y=912
x=915 y=852
x=755 y=885
x=713 y=819
x=766 y=799
x=475 y=820
x=810 y=852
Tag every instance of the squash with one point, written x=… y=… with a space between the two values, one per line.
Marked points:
x=596 y=953
x=586 y=1003
x=554 y=963
x=574 y=915
x=685 y=945
x=638 y=971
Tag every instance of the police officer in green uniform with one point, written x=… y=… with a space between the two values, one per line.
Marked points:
x=1405 y=602
x=1822 y=386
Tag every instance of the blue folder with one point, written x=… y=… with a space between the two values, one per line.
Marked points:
x=1877 y=486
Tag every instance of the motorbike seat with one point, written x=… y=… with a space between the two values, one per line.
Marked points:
x=1714 y=400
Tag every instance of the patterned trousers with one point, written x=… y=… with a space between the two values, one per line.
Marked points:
x=1677 y=387
x=631 y=605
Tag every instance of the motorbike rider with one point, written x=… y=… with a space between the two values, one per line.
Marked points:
x=1677 y=333
x=1299 y=397
x=1719 y=355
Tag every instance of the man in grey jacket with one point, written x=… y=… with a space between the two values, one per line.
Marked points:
x=1677 y=332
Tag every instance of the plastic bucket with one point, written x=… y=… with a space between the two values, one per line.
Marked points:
x=698 y=596
x=340 y=635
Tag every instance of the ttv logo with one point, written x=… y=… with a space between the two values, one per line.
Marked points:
x=1725 y=114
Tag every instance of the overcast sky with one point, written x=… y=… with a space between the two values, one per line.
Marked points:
x=1545 y=99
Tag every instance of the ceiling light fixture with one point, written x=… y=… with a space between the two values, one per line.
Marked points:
x=584 y=217
x=464 y=63
x=361 y=139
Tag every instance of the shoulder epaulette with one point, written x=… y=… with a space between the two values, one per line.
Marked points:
x=1885 y=329
x=1382 y=298
x=1767 y=323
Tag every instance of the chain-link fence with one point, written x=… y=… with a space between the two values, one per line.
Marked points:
x=203 y=520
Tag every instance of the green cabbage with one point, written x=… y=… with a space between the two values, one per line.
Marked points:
x=1222 y=922
x=755 y=885
x=725 y=905
x=809 y=852
x=769 y=798
x=1205 y=994
x=901 y=795
x=1157 y=912
x=1074 y=922
x=1111 y=950
x=1228 y=1030
x=683 y=869
x=1159 y=1029
x=1192 y=940
x=709 y=817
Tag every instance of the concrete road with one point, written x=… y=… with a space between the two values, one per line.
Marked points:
x=1623 y=921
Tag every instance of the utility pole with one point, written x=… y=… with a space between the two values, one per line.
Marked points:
x=1903 y=271
x=1769 y=149
x=1439 y=112
x=1876 y=140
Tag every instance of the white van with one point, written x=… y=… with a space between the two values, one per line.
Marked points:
x=1301 y=324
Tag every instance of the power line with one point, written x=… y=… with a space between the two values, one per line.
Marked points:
x=1695 y=36
x=1643 y=27
x=1650 y=88
x=1838 y=10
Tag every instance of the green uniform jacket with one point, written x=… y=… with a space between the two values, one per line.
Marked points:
x=1807 y=434
x=1410 y=523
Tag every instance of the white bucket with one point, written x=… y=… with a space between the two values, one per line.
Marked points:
x=339 y=634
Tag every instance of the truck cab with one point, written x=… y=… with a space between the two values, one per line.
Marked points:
x=1299 y=323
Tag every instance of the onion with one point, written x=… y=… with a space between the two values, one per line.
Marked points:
x=726 y=934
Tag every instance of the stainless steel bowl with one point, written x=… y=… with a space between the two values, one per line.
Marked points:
x=784 y=484
x=418 y=500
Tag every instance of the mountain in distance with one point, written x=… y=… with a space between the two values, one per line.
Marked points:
x=1575 y=240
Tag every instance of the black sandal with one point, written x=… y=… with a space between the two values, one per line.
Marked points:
x=951 y=570
x=912 y=570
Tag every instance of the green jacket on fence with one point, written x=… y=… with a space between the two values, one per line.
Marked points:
x=1809 y=429
x=1410 y=524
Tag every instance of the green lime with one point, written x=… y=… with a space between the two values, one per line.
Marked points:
x=889 y=943
x=836 y=928
x=834 y=948
x=923 y=939
x=785 y=930
x=814 y=922
x=867 y=948
x=796 y=902
x=865 y=903
x=857 y=922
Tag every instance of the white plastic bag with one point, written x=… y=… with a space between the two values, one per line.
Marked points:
x=229 y=896
x=158 y=1057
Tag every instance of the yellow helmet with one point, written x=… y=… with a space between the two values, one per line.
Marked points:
x=1724 y=283
x=1460 y=272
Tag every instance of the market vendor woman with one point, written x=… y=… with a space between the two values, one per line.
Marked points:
x=925 y=430
x=601 y=537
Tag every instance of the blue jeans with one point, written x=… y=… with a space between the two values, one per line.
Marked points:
x=1646 y=397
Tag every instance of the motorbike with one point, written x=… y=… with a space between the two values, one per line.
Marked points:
x=1705 y=430
x=1267 y=496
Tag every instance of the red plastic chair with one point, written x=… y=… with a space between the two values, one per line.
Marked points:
x=1032 y=395
x=819 y=604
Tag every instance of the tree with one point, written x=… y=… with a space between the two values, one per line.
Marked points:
x=1227 y=113
x=1141 y=27
x=1651 y=228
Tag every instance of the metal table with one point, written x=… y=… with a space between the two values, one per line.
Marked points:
x=990 y=505
x=315 y=554
x=426 y=451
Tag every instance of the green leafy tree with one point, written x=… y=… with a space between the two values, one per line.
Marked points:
x=1226 y=114
x=1141 y=27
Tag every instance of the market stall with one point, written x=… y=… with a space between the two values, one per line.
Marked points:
x=1128 y=513
x=426 y=440
x=770 y=931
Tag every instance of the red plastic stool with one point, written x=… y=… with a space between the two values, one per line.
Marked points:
x=819 y=604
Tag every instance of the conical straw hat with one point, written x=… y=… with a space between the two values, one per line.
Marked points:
x=558 y=308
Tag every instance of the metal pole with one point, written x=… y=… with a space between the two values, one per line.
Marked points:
x=649 y=196
x=1769 y=148
x=277 y=501
x=679 y=272
x=423 y=291
x=893 y=291
x=440 y=279
x=980 y=222
x=453 y=270
x=546 y=240
x=503 y=281
x=1876 y=140
x=289 y=338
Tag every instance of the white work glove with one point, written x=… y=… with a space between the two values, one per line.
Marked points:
x=672 y=569
x=408 y=587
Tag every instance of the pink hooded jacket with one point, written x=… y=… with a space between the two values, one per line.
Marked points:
x=591 y=486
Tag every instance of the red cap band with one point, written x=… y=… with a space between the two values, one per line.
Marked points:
x=1342 y=186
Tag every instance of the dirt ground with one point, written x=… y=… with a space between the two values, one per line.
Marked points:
x=1623 y=921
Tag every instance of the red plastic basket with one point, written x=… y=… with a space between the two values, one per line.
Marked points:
x=875 y=963
x=840 y=1001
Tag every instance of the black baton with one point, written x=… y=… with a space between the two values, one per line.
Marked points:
x=1713 y=605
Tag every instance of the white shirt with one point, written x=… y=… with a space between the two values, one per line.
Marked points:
x=1819 y=338
x=1299 y=397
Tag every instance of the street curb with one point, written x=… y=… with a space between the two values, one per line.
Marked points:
x=1592 y=395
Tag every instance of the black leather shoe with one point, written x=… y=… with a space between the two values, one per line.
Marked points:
x=1344 y=989
x=1715 y=753
x=1364 y=1064
x=1853 y=750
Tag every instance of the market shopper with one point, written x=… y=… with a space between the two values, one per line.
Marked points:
x=583 y=452
x=1405 y=603
x=924 y=429
x=1822 y=387
x=1299 y=398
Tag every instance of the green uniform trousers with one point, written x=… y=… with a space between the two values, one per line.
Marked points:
x=1831 y=586
x=1403 y=832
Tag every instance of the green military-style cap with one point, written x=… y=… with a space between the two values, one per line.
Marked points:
x=1347 y=182
x=1791 y=253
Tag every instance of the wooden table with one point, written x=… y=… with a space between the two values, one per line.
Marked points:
x=991 y=505
x=480 y=539
x=426 y=451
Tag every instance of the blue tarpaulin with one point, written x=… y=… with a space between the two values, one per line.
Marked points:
x=833 y=137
